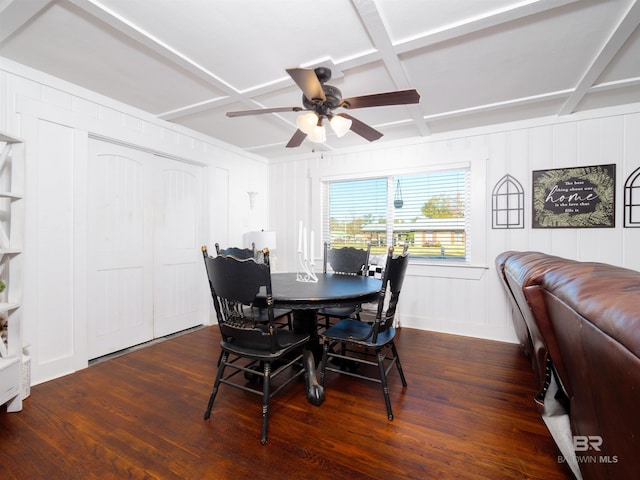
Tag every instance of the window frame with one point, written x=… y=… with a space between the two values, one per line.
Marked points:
x=393 y=230
x=475 y=264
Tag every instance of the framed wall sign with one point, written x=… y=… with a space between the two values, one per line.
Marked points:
x=577 y=197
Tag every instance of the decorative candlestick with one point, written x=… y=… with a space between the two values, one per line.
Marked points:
x=305 y=257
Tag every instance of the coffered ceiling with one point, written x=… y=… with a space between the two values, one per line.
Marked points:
x=474 y=62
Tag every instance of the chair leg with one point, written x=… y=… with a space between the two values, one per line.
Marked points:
x=394 y=351
x=323 y=362
x=385 y=386
x=288 y=324
x=265 y=401
x=222 y=363
x=220 y=357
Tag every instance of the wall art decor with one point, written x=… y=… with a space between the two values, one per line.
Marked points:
x=577 y=197
x=632 y=200
x=507 y=203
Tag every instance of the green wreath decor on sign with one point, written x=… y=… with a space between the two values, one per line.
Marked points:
x=579 y=197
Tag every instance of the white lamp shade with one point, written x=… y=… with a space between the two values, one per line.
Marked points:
x=319 y=135
x=307 y=122
x=340 y=125
x=261 y=240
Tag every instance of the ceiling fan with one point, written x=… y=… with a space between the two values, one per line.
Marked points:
x=320 y=99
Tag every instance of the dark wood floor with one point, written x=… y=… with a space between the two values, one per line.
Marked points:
x=468 y=413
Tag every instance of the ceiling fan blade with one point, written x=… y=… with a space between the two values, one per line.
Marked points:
x=259 y=111
x=297 y=139
x=361 y=128
x=400 y=97
x=308 y=82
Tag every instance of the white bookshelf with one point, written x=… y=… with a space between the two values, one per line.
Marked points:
x=14 y=379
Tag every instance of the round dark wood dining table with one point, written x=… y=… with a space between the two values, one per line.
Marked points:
x=306 y=298
x=331 y=290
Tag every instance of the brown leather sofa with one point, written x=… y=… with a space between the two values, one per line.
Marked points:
x=579 y=322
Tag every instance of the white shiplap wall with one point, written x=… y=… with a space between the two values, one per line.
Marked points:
x=470 y=301
x=56 y=120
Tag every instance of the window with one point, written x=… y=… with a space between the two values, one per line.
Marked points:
x=426 y=211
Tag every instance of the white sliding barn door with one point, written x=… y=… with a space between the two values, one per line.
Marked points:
x=179 y=282
x=144 y=266
x=120 y=251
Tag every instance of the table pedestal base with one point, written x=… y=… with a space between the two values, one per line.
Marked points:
x=306 y=321
x=315 y=392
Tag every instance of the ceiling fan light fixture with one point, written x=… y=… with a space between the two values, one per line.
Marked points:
x=318 y=135
x=307 y=122
x=340 y=125
x=320 y=99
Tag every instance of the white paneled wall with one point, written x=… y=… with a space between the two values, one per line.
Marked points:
x=56 y=120
x=470 y=301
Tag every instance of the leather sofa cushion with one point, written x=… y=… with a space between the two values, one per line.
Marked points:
x=605 y=295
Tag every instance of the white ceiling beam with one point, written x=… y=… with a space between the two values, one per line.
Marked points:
x=516 y=102
x=609 y=50
x=615 y=85
x=523 y=101
x=479 y=23
x=272 y=87
x=243 y=97
x=111 y=18
x=17 y=13
x=370 y=17
x=284 y=82
x=232 y=95
x=385 y=50
x=128 y=28
x=491 y=19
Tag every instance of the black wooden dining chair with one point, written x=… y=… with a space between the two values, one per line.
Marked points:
x=344 y=261
x=284 y=317
x=349 y=345
x=237 y=252
x=249 y=346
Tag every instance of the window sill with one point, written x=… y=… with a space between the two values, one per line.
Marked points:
x=445 y=269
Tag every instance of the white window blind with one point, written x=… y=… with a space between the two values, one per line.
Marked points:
x=426 y=211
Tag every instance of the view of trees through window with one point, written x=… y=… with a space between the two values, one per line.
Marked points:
x=425 y=211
